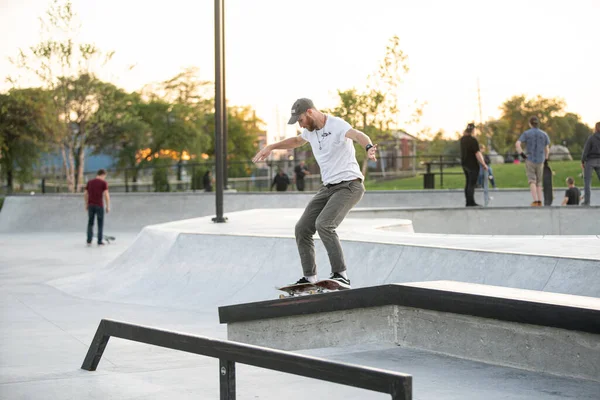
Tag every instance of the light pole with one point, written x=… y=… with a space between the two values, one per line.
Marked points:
x=220 y=107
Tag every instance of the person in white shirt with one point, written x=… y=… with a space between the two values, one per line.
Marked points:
x=331 y=139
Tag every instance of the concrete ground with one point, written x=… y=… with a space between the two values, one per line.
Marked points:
x=55 y=290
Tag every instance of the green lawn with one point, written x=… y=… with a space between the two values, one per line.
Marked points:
x=507 y=176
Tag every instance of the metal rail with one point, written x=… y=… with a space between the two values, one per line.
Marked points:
x=398 y=385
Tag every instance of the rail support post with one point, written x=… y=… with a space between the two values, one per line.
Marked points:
x=227 y=379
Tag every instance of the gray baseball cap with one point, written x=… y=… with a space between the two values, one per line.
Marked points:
x=300 y=107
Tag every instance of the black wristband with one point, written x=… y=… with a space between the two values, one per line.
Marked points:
x=523 y=155
x=367 y=147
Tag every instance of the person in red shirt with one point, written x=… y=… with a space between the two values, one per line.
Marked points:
x=95 y=191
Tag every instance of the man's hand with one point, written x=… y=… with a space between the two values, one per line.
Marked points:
x=372 y=153
x=262 y=155
x=107 y=209
x=485 y=167
x=582 y=165
x=86 y=207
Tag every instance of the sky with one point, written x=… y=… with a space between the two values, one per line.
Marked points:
x=280 y=50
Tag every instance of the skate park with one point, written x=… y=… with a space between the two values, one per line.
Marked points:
x=499 y=313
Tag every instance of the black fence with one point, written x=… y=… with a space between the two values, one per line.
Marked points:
x=245 y=176
x=398 y=385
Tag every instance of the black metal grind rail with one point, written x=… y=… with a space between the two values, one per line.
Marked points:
x=398 y=385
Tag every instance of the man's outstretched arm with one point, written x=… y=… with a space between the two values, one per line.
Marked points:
x=289 y=143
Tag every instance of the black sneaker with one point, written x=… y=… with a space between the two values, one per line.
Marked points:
x=343 y=282
x=302 y=281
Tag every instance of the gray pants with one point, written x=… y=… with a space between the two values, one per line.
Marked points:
x=324 y=214
x=590 y=165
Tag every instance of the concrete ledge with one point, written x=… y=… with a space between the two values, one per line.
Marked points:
x=493 y=220
x=569 y=312
x=530 y=347
x=543 y=332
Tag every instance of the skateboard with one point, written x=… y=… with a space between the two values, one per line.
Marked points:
x=547 y=185
x=298 y=289
x=303 y=289
x=486 y=188
x=108 y=238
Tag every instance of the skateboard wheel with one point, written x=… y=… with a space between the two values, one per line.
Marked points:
x=282 y=296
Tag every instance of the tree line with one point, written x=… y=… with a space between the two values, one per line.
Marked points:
x=72 y=110
x=563 y=128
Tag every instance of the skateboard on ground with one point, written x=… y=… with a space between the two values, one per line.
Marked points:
x=547 y=185
x=303 y=289
x=107 y=238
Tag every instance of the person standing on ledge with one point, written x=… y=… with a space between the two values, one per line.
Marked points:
x=537 y=144
x=470 y=159
x=331 y=139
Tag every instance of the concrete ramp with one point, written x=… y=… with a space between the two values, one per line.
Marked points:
x=196 y=264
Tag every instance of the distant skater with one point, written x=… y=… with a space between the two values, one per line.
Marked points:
x=96 y=191
x=537 y=144
x=331 y=139
x=471 y=158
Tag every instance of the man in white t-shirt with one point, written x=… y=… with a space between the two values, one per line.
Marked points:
x=331 y=139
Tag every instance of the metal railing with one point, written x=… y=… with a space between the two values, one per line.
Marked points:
x=398 y=385
x=244 y=176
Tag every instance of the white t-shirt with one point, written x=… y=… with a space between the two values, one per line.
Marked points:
x=333 y=151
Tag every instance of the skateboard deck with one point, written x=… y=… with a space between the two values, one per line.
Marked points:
x=486 y=187
x=107 y=238
x=547 y=185
x=329 y=284
x=298 y=289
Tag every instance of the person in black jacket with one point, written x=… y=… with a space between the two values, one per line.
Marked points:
x=470 y=157
x=281 y=181
x=590 y=161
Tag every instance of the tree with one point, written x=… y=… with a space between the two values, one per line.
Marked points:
x=560 y=126
x=64 y=67
x=24 y=119
x=376 y=109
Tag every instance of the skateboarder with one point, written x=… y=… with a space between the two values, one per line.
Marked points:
x=95 y=191
x=331 y=139
x=537 y=143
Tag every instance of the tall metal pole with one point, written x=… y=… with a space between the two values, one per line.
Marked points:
x=224 y=99
x=219 y=109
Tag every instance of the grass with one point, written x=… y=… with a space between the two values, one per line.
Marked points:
x=508 y=176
